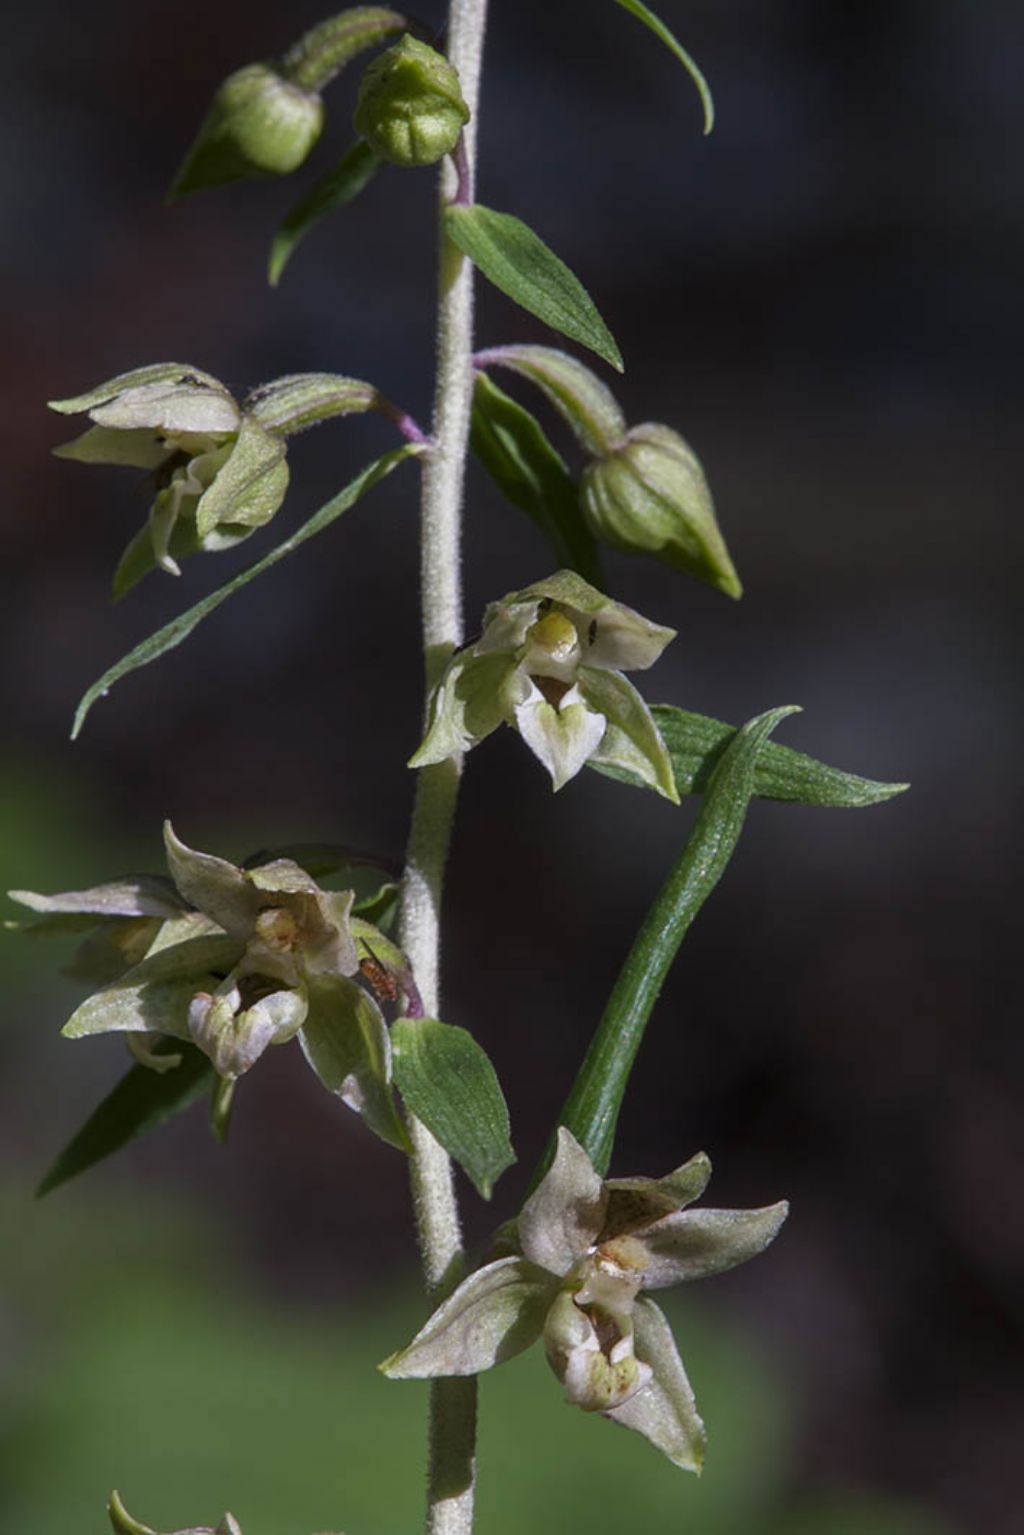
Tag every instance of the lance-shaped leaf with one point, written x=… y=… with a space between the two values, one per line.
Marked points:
x=517 y=261
x=449 y=1083
x=493 y=1315
x=340 y=185
x=143 y=1100
x=658 y=27
x=591 y=1111
x=153 y=996
x=346 y=1042
x=696 y=744
x=513 y=447
x=664 y=1411
x=180 y=628
x=583 y=400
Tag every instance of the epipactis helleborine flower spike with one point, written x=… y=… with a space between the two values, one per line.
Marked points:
x=218 y=473
x=549 y=663
x=245 y=959
x=588 y=1248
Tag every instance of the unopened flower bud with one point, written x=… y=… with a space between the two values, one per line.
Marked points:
x=410 y=108
x=260 y=124
x=648 y=495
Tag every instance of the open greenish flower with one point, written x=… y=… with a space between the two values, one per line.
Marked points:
x=587 y=1249
x=236 y=960
x=219 y=474
x=550 y=663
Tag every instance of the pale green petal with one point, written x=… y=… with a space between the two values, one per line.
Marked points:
x=566 y=588
x=634 y=1203
x=467 y=704
x=563 y=739
x=697 y=1243
x=171 y=407
x=505 y=626
x=563 y=1216
x=633 y=741
x=282 y=876
x=140 y=449
x=664 y=1410
x=135 y=895
x=345 y=1040
x=251 y=484
x=163 y=520
x=153 y=996
x=156 y=373
x=493 y=1315
x=214 y=886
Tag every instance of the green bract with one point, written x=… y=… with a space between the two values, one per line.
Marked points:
x=550 y=663
x=235 y=960
x=410 y=108
x=259 y=124
x=648 y=495
x=587 y=1248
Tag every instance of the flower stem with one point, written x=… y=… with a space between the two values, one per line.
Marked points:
x=452 y=1467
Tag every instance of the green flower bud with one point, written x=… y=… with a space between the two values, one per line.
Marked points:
x=648 y=495
x=410 y=108
x=260 y=124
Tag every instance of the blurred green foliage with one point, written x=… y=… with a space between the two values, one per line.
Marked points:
x=142 y=1357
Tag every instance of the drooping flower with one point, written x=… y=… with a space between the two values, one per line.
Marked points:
x=238 y=959
x=218 y=473
x=549 y=663
x=586 y=1250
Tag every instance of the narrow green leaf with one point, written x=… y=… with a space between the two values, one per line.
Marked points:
x=180 y=628
x=658 y=27
x=591 y=1110
x=449 y=1083
x=696 y=744
x=141 y=1101
x=513 y=447
x=340 y=185
x=518 y=262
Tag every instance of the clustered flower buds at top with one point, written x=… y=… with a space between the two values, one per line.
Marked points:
x=549 y=663
x=587 y=1249
x=265 y=118
x=410 y=108
x=643 y=489
x=219 y=468
x=242 y=959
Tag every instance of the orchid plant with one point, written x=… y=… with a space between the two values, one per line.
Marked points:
x=205 y=968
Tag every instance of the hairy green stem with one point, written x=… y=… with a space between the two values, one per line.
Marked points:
x=452 y=1466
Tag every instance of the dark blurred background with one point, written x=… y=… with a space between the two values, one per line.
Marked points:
x=825 y=298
